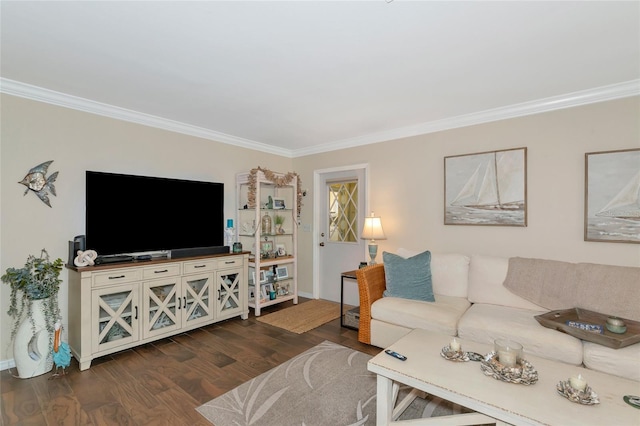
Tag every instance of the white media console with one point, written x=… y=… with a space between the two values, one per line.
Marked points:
x=118 y=306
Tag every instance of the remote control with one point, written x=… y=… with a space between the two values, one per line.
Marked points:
x=395 y=355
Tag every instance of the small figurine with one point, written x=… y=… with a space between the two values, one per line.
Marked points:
x=61 y=352
x=85 y=258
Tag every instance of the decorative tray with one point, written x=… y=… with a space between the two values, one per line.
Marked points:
x=558 y=320
x=585 y=397
x=457 y=356
x=523 y=373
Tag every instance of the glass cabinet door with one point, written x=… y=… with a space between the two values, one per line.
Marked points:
x=197 y=305
x=162 y=304
x=116 y=310
x=228 y=299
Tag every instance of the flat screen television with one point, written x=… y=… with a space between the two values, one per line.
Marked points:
x=128 y=214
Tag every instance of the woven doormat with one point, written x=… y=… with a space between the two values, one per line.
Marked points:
x=304 y=316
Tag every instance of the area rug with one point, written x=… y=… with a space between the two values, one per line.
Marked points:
x=303 y=316
x=326 y=385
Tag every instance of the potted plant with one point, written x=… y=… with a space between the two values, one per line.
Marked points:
x=34 y=297
x=279 y=220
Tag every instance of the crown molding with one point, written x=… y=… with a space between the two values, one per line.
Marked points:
x=574 y=99
x=28 y=91
x=569 y=100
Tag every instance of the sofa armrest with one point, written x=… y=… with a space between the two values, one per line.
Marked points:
x=371 y=285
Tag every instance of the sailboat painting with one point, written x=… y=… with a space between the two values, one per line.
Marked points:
x=487 y=188
x=612 y=196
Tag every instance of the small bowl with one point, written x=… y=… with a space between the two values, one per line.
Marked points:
x=615 y=321
x=618 y=329
x=616 y=325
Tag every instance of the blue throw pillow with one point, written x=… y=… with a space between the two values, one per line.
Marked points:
x=408 y=278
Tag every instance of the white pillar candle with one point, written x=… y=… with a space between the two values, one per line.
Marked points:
x=578 y=382
x=507 y=358
x=454 y=345
x=509 y=352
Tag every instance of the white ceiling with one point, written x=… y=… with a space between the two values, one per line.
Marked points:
x=296 y=78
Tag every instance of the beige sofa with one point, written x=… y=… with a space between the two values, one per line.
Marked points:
x=472 y=301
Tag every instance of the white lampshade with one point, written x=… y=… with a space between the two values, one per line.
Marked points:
x=372 y=229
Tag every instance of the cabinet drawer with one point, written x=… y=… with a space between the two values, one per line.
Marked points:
x=230 y=262
x=116 y=277
x=159 y=271
x=199 y=266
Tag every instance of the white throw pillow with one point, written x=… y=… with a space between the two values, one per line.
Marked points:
x=449 y=272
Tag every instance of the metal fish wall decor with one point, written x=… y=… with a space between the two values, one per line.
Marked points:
x=37 y=181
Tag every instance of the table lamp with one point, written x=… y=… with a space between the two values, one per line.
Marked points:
x=372 y=230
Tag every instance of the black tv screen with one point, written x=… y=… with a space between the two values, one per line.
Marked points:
x=128 y=214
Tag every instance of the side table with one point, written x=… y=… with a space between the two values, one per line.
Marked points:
x=352 y=276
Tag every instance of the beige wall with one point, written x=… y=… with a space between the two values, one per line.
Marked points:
x=406 y=178
x=407 y=185
x=34 y=132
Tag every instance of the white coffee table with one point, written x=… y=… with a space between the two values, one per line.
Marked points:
x=494 y=401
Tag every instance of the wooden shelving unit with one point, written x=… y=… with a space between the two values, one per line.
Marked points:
x=273 y=264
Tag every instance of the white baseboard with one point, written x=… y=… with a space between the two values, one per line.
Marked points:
x=7 y=364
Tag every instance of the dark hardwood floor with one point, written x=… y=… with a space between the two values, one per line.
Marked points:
x=161 y=383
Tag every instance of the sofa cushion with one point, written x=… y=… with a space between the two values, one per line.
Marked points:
x=384 y=334
x=486 y=278
x=621 y=362
x=441 y=316
x=485 y=323
x=408 y=278
x=449 y=272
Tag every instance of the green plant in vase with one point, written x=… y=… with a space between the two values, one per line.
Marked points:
x=279 y=220
x=39 y=279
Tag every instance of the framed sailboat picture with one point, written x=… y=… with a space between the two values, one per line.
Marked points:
x=612 y=196
x=486 y=188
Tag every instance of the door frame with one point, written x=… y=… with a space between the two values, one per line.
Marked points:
x=317 y=193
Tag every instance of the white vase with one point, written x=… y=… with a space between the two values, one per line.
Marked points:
x=32 y=352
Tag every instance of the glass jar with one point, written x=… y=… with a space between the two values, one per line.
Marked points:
x=509 y=352
x=267 y=223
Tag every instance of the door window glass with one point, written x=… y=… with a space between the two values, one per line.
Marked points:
x=343 y=211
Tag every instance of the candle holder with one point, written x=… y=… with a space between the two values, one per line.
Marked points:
x=523 y=372
x=454 y=355
x=584 y=397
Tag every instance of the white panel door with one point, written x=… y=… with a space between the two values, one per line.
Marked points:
x=341 y=201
